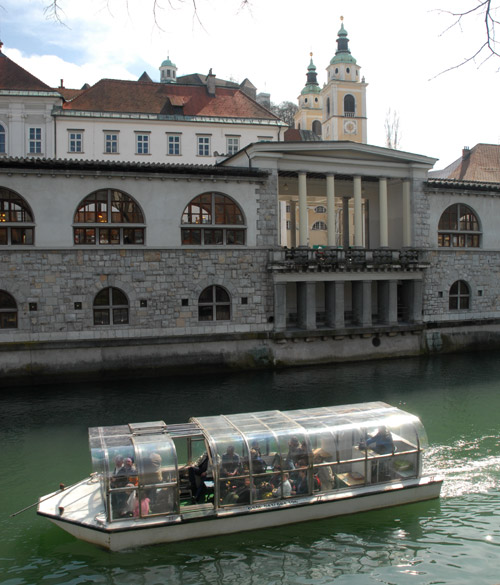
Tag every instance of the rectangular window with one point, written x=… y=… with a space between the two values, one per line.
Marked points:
x=142 y=143
x=110 y=143
x=75 y=139
x=203 y=145
x=232 y=144
x=35 y=141
x=173 y=144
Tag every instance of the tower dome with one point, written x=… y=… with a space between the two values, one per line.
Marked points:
x=168 y=71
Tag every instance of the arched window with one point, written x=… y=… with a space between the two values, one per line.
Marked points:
x=316 y=127
x=328 y=106
x=8 y=311
x=319 y=225
x=459 y=296
x=320 y=209
x=2 y=140
x=349 y=105
x=214 y=304
x=16 y=220
x=459 y=228
x=110 y=307
x=106 y=217
x=213 y=219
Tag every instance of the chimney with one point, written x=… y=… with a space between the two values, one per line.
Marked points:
x=211 y=83
x=465 y=152
x=62 y=84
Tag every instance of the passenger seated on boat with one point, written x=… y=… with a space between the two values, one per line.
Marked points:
x=255 y=447
x=231 y=464
x=258 y=464
x=324 y=472
x=301 y=486
x=244 y=491
x=126 y=474
x=197 y=476
x=284 y=488
x=294 y=452
x=132 y=505
x=152 y=469
x=382 y=442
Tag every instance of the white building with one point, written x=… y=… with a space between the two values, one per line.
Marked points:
x=193 y=119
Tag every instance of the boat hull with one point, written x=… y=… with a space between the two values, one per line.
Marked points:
x=208 y=523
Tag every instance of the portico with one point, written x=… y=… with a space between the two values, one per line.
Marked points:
x=363 y=268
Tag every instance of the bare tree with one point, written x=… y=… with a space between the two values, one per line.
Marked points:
x=392 y=130
x=489 y=46
x=285 y=111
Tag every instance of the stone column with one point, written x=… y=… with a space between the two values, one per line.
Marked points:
x=406 y=214
x=279 y=306
x=416 y=301
x=330 y=206
x=303 y=215
x=362 y=302
x=306 y=305
x=293 y=224
x=388 y=302
x=358 y=214
x=334 y=304
x=384 y=223
x=345 y=222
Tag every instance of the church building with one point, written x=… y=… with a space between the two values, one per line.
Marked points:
x=337 y=111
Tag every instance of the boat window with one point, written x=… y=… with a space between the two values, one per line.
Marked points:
x=157 y=472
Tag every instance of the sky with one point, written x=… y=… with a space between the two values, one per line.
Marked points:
x=404 y=49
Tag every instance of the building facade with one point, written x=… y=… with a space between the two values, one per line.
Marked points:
x=191 y=119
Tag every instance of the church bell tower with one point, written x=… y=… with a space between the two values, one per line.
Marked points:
x=344 y=96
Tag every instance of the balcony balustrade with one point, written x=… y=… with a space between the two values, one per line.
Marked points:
x=338 y=259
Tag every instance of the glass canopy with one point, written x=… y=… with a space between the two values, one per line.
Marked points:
x=224 y=461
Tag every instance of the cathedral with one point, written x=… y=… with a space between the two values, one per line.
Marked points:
x=337 y=111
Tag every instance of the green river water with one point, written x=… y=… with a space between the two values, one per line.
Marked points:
x=453 y=540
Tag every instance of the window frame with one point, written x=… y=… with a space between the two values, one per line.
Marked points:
x=174 y=144
x=201 y=223
x=459 y=300
x=111 y=308
x=348 y=113
x=214 y=308
x=35 y=138
x=459 y=237
x=203 y=145
x=100 y=219
x=232 y=144
x=17 y=223
x=75 y=137
x=142 y=143
x=111 y=141
x=3 y=139
x=8 y=314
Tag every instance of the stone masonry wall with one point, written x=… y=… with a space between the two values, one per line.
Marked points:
x=167 y=281
x=480 y=269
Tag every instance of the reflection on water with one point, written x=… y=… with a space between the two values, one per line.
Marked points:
x=44 y=441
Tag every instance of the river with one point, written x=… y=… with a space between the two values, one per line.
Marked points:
x=453 y=540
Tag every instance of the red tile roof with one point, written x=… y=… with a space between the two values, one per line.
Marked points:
x=481 y=163
x=14 y=77
x=111 y=95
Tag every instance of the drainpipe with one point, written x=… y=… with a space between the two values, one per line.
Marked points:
x=249 y=159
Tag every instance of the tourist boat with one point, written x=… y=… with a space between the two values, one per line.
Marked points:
x=216 y=475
